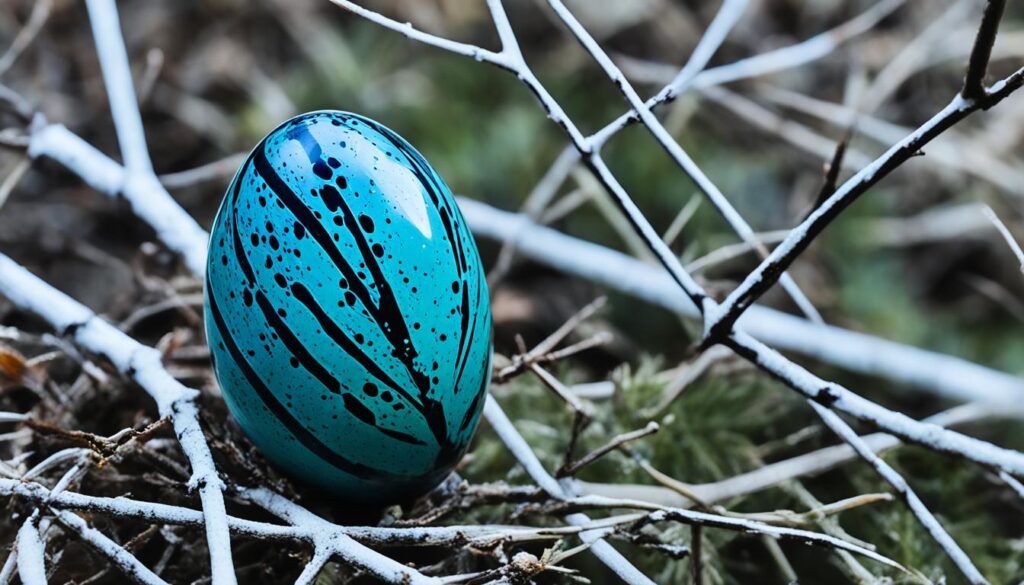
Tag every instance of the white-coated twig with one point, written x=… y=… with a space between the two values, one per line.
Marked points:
x=905 y=492
x=940 y=374
x=329 y=540
x=307 y=527
x=971 y=98
x=174 y=227
x=302 y=529
x=145 y=195
x=839 y=398
x=117 y=78
x=143 y=365
x=31 y=553
x=676 y=152
x=953 y=152
x=1005 y=232
x=725 y=19
x=521 y=450
x=120 y=557
x=944 y=375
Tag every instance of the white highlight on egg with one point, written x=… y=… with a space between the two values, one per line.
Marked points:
x=395 y=182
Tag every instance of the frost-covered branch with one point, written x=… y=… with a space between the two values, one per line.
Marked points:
x=144 y=193
x=836 y=424
x=1005 y=233
x=143 y=365
x=31 y=553
x=521 y=450
x=675 y=151
x=694 y=74
x=307 y=527
x=943 y=375
x=124 y=560
x=973 y=96
x=904 y=491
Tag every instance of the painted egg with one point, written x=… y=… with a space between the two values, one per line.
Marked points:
x=347 y=310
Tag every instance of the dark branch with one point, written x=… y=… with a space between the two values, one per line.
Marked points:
x=977 y=66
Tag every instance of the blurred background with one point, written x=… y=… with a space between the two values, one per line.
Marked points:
x=914 y=260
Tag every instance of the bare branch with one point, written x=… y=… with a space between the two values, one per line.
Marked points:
x=720 y=322
x=143 y=365
x=615 y=442
x=123 y=559
x=681 y=158
x=1005 y=232
x=977 y=66
x=40 y=14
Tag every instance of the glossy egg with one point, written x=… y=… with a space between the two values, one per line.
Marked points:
x=347 y=310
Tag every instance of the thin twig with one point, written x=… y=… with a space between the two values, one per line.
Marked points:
x=40 y=14
x=720 y=322
x=981 y=53
x=1005 y=232
x=617 y=441
x=143 y=365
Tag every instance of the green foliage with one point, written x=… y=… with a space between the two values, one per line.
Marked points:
x=482 y=129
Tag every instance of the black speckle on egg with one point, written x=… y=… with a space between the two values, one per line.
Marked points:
x=366 y=222
x=322 y=170
x=332 y=199
x=353 y=305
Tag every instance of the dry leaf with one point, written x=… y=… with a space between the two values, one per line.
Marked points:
x=12 y=364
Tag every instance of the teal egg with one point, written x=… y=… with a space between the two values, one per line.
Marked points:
x=347 y=310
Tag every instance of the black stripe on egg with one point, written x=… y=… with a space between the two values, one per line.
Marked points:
x=299 y=351
x=428 y=179
x=388 y=316
x=297 y=429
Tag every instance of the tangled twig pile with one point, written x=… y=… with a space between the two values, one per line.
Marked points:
x=50 y=492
